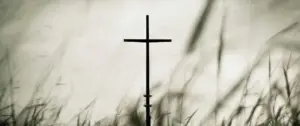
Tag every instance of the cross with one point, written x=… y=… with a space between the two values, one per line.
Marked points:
x=147 y=41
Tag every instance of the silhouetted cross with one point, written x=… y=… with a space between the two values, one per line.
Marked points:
x=147 y=41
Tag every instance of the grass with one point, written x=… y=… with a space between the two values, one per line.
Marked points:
x=170 y=108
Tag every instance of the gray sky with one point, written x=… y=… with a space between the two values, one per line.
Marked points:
x=98 y=64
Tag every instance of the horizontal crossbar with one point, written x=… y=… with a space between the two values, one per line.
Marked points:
x=149 y=40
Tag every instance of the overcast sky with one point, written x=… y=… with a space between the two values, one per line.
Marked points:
x=96 y=61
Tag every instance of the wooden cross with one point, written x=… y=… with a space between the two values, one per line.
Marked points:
x=147 y=41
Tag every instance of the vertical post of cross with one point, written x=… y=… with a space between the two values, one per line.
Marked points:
x=147 y=95
x=147 y=41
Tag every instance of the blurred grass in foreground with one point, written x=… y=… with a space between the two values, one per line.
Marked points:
x=169 y=109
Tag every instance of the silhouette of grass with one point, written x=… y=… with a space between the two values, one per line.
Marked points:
x=171 y=108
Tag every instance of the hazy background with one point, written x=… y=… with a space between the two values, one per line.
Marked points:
x=83 y=42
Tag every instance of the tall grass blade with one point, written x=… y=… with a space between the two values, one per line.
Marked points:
x=199 y=28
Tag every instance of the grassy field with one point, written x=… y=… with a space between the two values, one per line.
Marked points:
x=276 y=105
